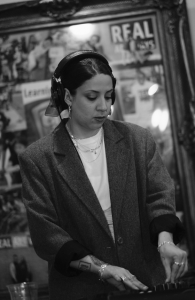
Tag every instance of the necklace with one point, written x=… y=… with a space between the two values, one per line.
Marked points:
x=84 y=148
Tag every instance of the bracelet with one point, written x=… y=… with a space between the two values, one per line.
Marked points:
x=164 y=242
x=101 y=271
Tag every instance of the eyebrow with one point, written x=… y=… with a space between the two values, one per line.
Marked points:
x=98 y=91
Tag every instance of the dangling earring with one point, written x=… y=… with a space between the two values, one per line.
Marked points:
x=69 y=111
x=67 y=101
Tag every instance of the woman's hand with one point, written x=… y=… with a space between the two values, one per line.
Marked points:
x=174 y=261
x=117 y=276
x=120 y=277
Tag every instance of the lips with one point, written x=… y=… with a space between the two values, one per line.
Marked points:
x=100 y=118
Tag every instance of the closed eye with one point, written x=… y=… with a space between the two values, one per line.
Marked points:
x=91 y=98
x=108 y=97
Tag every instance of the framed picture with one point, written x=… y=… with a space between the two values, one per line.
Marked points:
x=147 y=43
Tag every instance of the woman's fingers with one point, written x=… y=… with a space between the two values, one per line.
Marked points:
x=185 y=265
x=182 y=265
x=175 y=268
x=167 y=267
x=121 y=278
x=127 y=280
x=117 y=277
x=185 y=268
x=133 y=282
x=181 y=268
x=174 y=271
x=174 y=261
x=117 y=283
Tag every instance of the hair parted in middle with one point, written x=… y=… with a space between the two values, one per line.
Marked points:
x=71 y=72
x=78 y=72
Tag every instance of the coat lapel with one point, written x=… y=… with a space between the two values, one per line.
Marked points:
x=119 y=160
x=120 y=163
x=71 y=169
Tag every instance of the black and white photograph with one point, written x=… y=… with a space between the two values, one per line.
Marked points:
x=97 y=159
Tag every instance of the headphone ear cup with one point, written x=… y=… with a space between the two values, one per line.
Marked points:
x=60 y=97
x=54 y=93
x=60 y=91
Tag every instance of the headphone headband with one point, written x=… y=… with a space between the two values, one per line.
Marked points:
x=57 y=103
x=80 y=54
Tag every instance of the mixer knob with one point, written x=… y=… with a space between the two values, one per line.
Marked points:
x=170 y=286
x=159 y=288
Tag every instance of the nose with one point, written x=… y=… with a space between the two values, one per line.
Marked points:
x=102 y=104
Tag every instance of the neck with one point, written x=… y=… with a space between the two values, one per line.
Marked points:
x=78 y=133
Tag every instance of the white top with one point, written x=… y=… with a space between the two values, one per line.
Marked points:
x=95 y=165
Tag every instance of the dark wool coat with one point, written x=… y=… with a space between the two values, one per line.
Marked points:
x=62 y=205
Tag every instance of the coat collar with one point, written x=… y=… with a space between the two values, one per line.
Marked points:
x=62 y=145
x=71 y=169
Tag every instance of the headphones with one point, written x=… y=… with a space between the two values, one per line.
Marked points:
x=57 y=103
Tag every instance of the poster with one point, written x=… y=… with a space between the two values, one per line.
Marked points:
x=27 y=62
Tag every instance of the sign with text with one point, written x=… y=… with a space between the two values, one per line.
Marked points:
x=5 y=242
x=20 y=241
x=34 y=91
x=139 y=31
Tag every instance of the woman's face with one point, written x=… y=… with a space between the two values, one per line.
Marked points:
x=91 y=105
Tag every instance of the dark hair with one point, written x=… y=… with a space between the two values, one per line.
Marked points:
x=81 y=70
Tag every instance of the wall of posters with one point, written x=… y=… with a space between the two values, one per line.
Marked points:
x=27 y=61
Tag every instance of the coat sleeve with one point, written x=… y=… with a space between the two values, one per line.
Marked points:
x=50 y=241
x=160 y=198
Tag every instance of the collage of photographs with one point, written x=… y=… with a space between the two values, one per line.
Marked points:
x=27 y=62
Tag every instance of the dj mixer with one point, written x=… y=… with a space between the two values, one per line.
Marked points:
x=183 y=290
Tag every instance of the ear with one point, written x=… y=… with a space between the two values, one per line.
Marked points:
x=67 y=97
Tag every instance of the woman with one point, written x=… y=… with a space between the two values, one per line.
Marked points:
x=98 y=197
